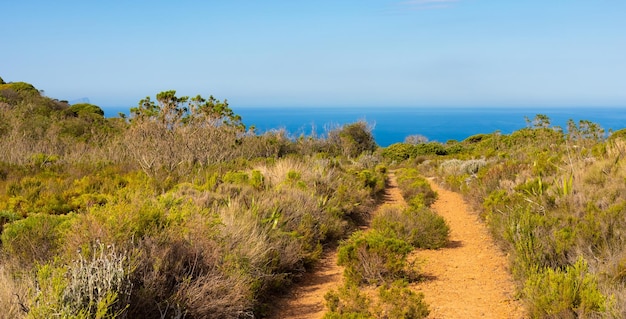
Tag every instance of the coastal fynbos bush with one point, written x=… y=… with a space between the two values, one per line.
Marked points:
x=398 y=301
x=564 y=293
x=215 y=295
x=420 y=227
x=36 y=238
x=353 y=139
x=95 y=288
x=99 y=281
x=371 y=257
x=415 y=188
x=348 y=303
x=460 y=167
x=398 y=152
x=394 y=301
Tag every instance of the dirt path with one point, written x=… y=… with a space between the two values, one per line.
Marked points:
x=306 y=300
x=469 y=278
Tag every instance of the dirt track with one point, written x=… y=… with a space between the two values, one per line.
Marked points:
x=468 y=279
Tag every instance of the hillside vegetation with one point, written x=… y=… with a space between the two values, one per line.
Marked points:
x=178 y=211
x=555 y=201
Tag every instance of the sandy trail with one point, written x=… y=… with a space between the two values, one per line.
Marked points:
x=306 y=299
x=469 y=278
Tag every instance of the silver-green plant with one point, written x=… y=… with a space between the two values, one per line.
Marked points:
x=100 y=284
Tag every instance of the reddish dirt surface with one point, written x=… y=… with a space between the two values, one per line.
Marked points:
x=469 y=278
x=306 y=299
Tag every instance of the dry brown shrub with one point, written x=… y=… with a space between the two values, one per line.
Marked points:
x=85 y=231
x=163 y=264
x=277 y=173
x=616 y=148
x=218 y=295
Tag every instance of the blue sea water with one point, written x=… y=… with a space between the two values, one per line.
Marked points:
x=392 y=125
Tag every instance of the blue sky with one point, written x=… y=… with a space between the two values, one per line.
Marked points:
x=322 y=53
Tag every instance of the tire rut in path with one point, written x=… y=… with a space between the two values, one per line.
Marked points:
x=470 y=277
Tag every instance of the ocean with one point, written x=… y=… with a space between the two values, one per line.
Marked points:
x=393 y=125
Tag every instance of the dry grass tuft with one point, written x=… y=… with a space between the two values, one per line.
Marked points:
x=11 y=294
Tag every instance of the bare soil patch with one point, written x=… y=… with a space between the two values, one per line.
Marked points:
x=306 y=298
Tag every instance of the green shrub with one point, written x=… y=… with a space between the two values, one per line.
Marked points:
x=421 y=228
x=398 y=152
x=347 y=303
x=353 y=139
x=568 y=293
x=476 y=138
x=412 y=184
x=371 y=257
x=236 y=177
x=395 y=301
x=398 y=301
x=85 y=109
x=432 y=148
x=257 y=180
x=36 y=238
x=528 y=233
x=7 y=216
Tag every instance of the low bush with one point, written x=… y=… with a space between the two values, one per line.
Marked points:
x=348 y=303
x=415 y=188
x=571 y=292
x=462 y=167
x=394 y=301
x=96 y=287
x=420 y=227
x=36 y=238
x=373 y=258
x=398 y=301
x=398 y=152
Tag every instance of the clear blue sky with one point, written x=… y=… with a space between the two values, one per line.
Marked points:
x=323 y=52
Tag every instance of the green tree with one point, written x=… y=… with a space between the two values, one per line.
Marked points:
x=540 y=121
x=85 y=109
x=354 y=139
x=176 y=133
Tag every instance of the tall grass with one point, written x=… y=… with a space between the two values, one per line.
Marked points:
x=12 y=295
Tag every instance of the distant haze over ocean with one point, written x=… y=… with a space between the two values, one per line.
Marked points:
x=392 y=125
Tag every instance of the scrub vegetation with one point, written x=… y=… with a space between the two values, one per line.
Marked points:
x=176 y=211
x=555 y=200
x=181 y=211
x=377 y=272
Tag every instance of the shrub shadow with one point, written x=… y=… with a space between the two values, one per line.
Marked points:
x=454 y=244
